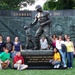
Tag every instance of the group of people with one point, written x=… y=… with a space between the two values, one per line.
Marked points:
x=11 y=50
x=63 y=48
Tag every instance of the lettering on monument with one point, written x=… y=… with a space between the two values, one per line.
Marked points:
x=22 y=14
x=56 y=13
x=38 y=59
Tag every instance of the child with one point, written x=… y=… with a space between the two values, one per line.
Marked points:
x=19 y=62
x=56 y=59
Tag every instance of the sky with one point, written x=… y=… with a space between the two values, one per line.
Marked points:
x=32 y=7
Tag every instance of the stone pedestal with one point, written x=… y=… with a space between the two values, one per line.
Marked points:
x=37 y=58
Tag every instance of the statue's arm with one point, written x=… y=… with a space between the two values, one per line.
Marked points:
x=45 y=23
x=48 y=20
x=34 y=22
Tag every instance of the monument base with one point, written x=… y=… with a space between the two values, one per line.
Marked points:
x=38 y=59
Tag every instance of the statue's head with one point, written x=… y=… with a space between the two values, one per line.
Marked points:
x=38 y=8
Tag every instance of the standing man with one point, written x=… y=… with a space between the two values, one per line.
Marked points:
x=44 y=43
x=43 y=18
x=9 y=45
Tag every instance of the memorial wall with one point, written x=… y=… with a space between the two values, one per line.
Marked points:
x=12 y=23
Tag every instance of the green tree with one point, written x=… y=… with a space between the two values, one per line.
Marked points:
x=60 y=4
x=12 y=4
x=50 y=5
x=65 y=4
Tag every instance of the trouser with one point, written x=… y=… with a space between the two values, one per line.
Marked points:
x=14 y=53
x=21 y=66
x=39 y=32
x=69 y=59
x=63 y=55
x=55 y=62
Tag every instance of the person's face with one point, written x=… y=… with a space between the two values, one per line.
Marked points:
x=39 y=10
x=8 y=39
x=54 y=36
x=0 y=37
x=68 y=39
x=55 y=50
x=19 y=54
x=43 y=38
x=60 y=38
x=6 y=50
x=66 y=36
x=16 y=38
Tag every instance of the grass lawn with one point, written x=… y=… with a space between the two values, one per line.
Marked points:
x=40 y=72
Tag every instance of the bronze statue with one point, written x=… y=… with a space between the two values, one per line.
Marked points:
x=44 y=20
x=29 y=41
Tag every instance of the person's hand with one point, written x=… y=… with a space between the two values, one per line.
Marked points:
x=26 y=27
x=52 y=62
x=19 y=62
x=12 y=51
x=6 y=61
x=1 y=61
x=49 y=46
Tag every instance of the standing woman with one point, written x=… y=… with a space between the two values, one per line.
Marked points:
x=59 y=43
x=1 y=44
x=54 y=38
x=65 y=37
x=17 y=47
x=70 y=50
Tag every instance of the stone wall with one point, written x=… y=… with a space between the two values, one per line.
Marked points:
x=12 y=23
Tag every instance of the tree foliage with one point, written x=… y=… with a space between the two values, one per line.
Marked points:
x=50 y=5
x=65 y=4
x=12 y=4
x=60 y=4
